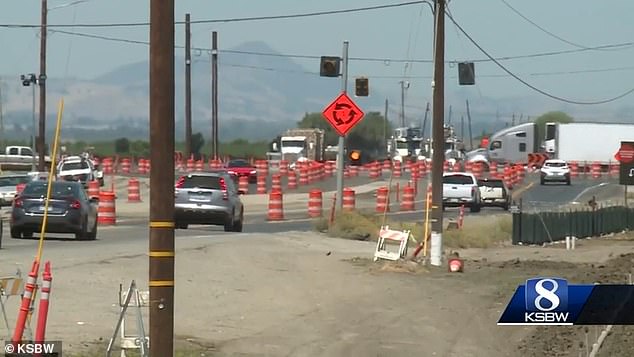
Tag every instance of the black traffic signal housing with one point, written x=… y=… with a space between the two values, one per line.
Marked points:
x=362 y=87
x=466 y=73
x=329 y=66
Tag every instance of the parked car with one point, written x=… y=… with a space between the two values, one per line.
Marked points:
x=210 y=198
x=78 y=168
x=240 y=168
x=8 y=187
x=494 y=193
x=555 y=170
x=461 y=188
x=70 y=210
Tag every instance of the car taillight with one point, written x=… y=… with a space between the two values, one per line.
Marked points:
x=223 y=187
x=180 y=182
x=17 y=202
x=75 y=204
x=473 y=191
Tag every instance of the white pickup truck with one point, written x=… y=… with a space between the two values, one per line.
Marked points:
x=19 y=158
x=494 y=193
x=461 y=188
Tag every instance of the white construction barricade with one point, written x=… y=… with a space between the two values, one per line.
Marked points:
x=386 y=236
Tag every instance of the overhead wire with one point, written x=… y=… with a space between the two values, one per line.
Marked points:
x=352 y=58
x=235 y=19
x=549 y=33
x=536 y=89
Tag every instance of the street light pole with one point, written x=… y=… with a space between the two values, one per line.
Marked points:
x=33 y=134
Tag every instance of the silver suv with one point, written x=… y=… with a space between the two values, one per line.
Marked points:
x=208 y=198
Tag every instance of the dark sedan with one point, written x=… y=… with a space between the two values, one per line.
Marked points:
x=70 y=210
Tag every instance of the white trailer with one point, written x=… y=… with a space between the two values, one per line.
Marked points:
x=587 y=142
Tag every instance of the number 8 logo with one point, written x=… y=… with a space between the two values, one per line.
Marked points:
x=544 y=293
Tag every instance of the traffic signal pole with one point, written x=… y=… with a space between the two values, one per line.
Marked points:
x=161 y=254
x=438 y=134
x=344 y=89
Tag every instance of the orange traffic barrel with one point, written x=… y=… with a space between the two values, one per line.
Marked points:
x=382 y=204
x=93 y=188
x=407 y=204
x=134 y=190
x=292 y=180
x=243 y=184
x=276 y=208
x=315 y=204
x=106 y=211
x=348 y=199
x=276 y=182
x=261 y=184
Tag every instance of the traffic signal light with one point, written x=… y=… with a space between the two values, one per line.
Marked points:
x=329 y=66
x=362 y=86
x=466 y=73
x=354 y=155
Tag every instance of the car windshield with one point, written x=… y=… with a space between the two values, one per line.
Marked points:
x=59 y=189
x=80 y=165
x=555 y=164
x=13 y=180
x=490 y=183
x=457 y=180
x=238 y=163
x=208 y=182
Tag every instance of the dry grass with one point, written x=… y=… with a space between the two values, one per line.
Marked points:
x=476 y=233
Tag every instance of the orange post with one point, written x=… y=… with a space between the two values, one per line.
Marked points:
x=26 y=302
x=42 y=315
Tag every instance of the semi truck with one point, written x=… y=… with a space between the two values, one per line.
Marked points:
x=299 y=144
x=590 y=142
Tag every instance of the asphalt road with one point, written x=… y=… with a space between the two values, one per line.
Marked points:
x=552 y=195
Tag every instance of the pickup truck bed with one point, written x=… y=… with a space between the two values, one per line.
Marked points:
x=494 y=193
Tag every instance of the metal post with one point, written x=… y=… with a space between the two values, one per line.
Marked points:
x=385 y=125
x=402 y=103
x=34 y=131
x=188 y=88
x=438 y=156
x=161 y=255
x=470 y=131
x=214 y=92
x=340 y=156
x=42 y=83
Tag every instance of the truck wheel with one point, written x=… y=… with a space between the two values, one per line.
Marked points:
x=542 y=182
x=475 y=208
x=568 y=182
x=16 y=233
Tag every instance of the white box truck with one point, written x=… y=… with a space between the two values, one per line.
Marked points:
x=586 y=142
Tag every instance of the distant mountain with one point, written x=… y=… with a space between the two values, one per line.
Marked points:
x=258 y=96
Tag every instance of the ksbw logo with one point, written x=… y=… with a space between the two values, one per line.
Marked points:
x=546 y=300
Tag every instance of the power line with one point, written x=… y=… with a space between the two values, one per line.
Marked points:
x=236 y=19
x=530 y=85
x=365 y=59
x=551 y=34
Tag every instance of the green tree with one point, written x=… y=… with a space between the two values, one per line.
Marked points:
x=198 y=141
x=551 y=117
x=122 y=146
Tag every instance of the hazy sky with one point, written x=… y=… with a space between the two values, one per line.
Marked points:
x=402 y=33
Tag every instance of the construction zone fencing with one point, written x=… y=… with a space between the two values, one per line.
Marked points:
x=553 y=226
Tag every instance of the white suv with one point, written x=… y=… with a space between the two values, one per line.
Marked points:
x=555 y=170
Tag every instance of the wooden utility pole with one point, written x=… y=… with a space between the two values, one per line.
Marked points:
x=385 y=126
x=449 y=116
x=188 y=88
x=462 y=128
x=438 y=134
x=42 y=82
x=162 y=126
x=214 y=95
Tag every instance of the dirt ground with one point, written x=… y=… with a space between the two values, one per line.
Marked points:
x=302 y=294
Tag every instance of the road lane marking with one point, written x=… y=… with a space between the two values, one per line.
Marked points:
x=521 y=190
x=586 y=190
